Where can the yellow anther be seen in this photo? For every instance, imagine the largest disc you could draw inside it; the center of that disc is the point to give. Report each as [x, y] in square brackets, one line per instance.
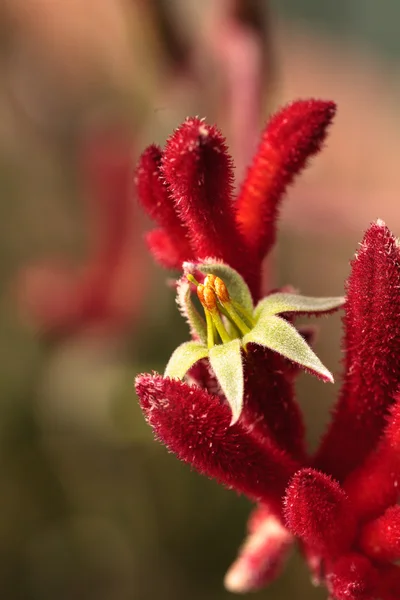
[200, 294]
[218, 286]
[210, 299]
[207, 297]
[221, 290]
[209, 281]
[216, 301]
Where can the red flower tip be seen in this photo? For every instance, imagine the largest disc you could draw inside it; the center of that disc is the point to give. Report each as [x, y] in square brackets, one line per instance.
[262, 556]
[317, 510]
[291, 136]
[170, 245]
[353, 578]
[166, 251]
[380, 539]
[195, 425]
[372, 343]
[151, 191]
[199, 172]
[375, 484]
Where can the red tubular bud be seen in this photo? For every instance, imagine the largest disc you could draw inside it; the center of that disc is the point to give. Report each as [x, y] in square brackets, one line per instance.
[353, 578]
[195, 425]
[292, 135]
[380, 539]
[318, 511]
[199, 172]
[372, 343]
[155, 197]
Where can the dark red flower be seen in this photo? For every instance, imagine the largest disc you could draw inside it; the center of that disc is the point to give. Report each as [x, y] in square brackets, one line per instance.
[188, 189]
[350, 528]
[291, 137]
[372, 345]
[341, 504]
[102, 293]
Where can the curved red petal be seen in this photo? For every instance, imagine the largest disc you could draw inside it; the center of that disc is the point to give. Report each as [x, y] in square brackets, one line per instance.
[380, 539]
[199, 172]
[165, 250]
[196, 426]
[291, 136]
[372, 343]
[155, 197]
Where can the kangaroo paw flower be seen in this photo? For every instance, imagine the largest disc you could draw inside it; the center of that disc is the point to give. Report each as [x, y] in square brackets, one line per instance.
[235, 418]
[232, 325]
[372, 345]
[187, 188]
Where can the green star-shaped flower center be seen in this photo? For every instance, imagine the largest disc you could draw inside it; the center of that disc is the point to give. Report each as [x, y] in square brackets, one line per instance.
[231, 323]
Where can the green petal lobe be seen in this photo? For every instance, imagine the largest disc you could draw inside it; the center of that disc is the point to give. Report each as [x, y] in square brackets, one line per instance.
[281, 303]
[279, 335]
[183, 358]
[188, 310]
[226, 362]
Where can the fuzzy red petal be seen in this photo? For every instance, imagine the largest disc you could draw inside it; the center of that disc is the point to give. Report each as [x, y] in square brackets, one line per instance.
[196, 426]
[199, 172]
[154, 195]
[291, 136]
[353, 578]
[318, 511]
[375, 485]
[262, 556]
[372, 343]
[165, 250]
[380, 539]
[270, 408]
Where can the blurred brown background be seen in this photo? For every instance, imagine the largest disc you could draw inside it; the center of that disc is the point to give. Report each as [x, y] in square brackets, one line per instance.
[90, 507]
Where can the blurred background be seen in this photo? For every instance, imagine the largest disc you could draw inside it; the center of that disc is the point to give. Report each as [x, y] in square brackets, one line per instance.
[91, 507]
